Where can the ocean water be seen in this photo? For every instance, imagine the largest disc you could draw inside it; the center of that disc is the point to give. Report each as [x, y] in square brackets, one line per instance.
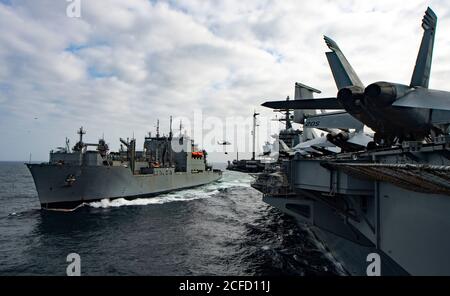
[222, 228]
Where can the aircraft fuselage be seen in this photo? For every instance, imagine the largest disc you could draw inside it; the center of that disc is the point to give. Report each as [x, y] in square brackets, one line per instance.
[374, 107]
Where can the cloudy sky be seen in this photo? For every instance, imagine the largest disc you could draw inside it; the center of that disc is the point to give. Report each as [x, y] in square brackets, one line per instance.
[123, 64]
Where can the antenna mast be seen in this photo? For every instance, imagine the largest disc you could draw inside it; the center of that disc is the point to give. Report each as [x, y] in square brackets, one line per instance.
[67, 145]
[170, 133]
[81, 132]
[288, 117]
[157, 128]
[254, 134]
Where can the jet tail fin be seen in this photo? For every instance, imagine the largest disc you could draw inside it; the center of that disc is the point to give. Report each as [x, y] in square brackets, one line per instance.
[304, 92]
[421, 75]
[343, 73]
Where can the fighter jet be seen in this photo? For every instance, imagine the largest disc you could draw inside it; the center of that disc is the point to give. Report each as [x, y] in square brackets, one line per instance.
[396, 112]
[343, 130]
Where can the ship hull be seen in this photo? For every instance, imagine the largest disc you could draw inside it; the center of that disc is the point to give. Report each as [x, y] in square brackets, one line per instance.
[354, 257]
[66, 187]
[411, 236]
[348, 247]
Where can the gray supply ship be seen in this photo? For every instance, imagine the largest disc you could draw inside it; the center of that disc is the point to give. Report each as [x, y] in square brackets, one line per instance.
[75, 176]
[390, 200]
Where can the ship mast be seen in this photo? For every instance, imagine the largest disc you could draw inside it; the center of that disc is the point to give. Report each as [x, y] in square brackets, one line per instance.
[170, 133]
[80, 145]
[157, 128]
[81, 132]
[254, 134]
[287, 116]
[170, 143]
[67, 145]
[181, 128]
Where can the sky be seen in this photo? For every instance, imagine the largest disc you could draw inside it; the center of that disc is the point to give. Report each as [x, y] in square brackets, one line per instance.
[122, 65]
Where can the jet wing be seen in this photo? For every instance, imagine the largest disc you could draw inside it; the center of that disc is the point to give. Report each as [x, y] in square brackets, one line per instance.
[425, 98]
[285, 147]
[326, 103]
[316, 145]
[320, 142]
[339, 120]
[334, 150]
[361, 139]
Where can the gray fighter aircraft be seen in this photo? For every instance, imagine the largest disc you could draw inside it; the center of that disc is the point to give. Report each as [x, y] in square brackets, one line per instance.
[396, 112]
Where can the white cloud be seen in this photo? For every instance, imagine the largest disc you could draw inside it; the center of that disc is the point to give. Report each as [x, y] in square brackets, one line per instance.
[126, 63]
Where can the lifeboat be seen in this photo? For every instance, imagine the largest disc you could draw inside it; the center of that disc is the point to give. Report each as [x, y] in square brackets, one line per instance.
[197, 154]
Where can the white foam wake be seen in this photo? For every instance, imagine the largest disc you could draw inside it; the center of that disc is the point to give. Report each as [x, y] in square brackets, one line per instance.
[233, 179]
[206, 191]
[185, 195]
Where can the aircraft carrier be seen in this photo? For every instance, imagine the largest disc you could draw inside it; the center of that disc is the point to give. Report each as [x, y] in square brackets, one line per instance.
[75, 176]
[385, 194]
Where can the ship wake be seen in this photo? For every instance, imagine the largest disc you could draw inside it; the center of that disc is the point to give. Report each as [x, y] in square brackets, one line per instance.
[202, 192]
[180, 196]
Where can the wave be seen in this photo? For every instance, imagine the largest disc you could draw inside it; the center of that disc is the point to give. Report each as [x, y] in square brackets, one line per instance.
[233, 179]
[339, 267]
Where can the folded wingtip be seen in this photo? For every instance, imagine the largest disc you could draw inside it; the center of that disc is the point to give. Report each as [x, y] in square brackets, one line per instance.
[429, 20]
[330, 43]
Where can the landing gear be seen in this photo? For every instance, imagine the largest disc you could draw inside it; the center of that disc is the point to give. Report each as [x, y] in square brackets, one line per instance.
[385, 141]
[371, 146]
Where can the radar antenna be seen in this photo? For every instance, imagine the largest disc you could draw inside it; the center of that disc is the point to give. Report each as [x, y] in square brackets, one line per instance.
[170, 133]
[80, 145]
[81, 132]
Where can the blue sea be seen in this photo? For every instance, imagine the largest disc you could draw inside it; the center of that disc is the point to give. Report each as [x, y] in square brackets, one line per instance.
[222, 228]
